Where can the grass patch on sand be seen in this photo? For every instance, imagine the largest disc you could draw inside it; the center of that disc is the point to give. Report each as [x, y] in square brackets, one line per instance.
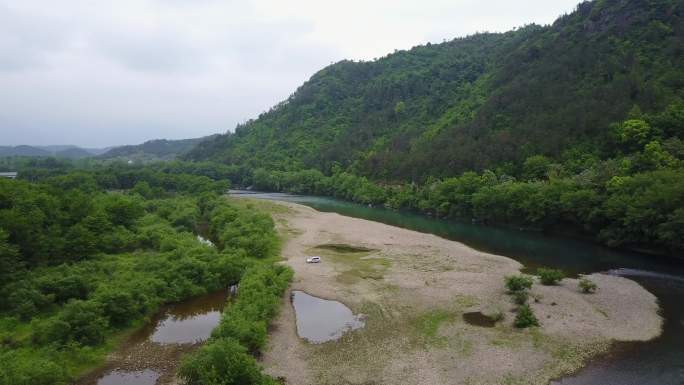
[366, 349]
[262, 205]
[353, 265]
[427, 325]
[389, 333]
[342, 248]
[426, 332]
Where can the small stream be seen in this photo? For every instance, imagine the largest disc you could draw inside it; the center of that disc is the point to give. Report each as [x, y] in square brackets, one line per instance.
[150, 356]
[656, 362]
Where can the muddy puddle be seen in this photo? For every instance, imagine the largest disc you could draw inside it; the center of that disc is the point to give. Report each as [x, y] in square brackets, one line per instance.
[476, 318]
[342, 248]
[151, 355]
[321, 320]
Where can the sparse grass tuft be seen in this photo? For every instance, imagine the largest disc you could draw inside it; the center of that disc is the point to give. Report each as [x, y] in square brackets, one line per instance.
[354, 266]
[587, 286]
[427, 325]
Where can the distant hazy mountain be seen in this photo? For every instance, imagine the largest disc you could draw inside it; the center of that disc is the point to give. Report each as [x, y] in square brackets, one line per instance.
[23, 151]
[59, 151]
[73, 153]
[98, 151]
[158, 149]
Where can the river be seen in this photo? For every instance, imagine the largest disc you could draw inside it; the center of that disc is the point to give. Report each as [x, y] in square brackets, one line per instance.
[656, 362]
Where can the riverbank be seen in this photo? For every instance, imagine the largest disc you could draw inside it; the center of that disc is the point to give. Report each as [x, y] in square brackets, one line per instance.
[414, 288]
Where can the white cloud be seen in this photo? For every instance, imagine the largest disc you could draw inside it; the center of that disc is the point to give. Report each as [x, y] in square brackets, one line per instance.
[99, 73]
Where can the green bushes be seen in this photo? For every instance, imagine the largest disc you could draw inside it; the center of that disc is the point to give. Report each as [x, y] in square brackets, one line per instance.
[57, 313]
[118, 305]
[237, 228]
[518, 283]
[550, 276]
[222, 362]
[226, 359]
[525, 317]
[518, 287]
[520, 297]
[587, 286]
[31, 367]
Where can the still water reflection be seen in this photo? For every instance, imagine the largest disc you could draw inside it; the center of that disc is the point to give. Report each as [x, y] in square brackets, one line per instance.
[320, 320]
[151, 355]
[118, 377]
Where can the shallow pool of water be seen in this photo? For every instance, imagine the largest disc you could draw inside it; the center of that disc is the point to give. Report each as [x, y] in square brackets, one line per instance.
[187, 322]
[320, 320]
[185, 330]
[120, 377]
[151, 355]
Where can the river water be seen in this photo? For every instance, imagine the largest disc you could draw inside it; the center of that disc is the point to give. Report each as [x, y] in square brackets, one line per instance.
[657, 362]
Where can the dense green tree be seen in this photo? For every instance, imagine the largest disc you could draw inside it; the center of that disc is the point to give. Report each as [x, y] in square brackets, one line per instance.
[113, 257]
[10, 262]
[223, 362]
[536, 167]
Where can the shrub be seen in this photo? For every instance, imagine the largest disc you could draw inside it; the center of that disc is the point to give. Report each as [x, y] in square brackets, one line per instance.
[250, 333]
[520, 297]
[587, 286]
[87, 324]
[227, 357]
[223, 362]
[518, 283]
[550, 276]
[525, 318]
[64, 287]
[117, 305]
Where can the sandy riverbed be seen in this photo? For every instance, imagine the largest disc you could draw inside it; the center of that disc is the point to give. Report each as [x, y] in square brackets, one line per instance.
[414, 288]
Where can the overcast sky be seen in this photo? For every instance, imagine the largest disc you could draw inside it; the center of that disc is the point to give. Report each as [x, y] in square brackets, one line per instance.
[101, 73]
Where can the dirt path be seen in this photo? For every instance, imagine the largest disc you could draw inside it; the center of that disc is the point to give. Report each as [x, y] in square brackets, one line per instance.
[414, 288]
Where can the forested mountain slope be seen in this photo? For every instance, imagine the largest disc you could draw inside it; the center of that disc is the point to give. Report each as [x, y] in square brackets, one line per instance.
[152, 150]
[474, 103]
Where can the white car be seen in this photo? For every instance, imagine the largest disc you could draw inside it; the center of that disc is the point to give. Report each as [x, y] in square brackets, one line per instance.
[313, 259]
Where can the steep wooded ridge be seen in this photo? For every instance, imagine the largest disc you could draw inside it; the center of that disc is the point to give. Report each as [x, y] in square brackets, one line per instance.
[474, 103]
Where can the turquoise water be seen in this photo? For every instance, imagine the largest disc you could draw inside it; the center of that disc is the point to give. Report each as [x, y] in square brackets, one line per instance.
[657, 362]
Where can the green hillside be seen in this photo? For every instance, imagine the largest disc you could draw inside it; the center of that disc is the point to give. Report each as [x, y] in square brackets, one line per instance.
[576, 127]
[153, 150]
[476, 102]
